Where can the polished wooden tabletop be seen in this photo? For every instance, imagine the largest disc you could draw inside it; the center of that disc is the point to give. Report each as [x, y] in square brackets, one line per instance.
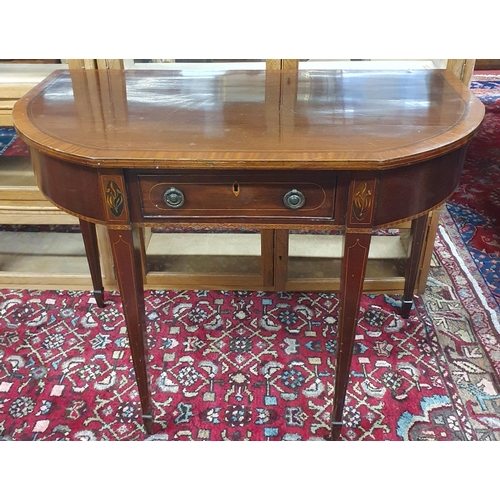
[330, 119]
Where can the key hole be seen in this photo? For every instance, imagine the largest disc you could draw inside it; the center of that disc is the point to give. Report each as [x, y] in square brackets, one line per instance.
[236, 189]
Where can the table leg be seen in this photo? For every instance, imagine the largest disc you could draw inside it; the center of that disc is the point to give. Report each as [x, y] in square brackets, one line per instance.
[91, 248]
[126, 248]
[418, 228]
[356, 247]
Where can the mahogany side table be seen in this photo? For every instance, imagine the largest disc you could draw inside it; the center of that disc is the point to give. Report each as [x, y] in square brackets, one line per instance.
[273, 151]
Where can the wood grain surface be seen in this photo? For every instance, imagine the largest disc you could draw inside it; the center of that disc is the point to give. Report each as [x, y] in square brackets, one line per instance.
[330, 118]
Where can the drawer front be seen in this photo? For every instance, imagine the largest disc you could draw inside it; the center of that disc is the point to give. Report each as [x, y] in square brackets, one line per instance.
[237, 195]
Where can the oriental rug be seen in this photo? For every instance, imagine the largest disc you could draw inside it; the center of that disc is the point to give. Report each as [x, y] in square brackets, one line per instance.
[255, 366]
[475, 206]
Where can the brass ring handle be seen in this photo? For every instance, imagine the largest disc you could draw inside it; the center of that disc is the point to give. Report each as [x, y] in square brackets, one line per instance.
[294, 199]
[173, 197]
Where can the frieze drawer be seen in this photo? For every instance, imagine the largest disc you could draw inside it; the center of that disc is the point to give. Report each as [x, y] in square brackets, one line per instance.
[238, 195]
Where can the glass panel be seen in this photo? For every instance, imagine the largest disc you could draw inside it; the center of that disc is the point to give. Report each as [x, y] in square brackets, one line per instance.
[373, 64]
[195, 64]
[45, 252]
[15, 171]
[318, 254]
[31, 61]
[204, 252]
[15, 72]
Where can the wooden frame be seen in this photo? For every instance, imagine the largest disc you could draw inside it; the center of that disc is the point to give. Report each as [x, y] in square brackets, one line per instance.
[22, 203]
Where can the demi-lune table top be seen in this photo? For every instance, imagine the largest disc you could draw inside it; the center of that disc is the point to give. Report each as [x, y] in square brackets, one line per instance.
[330, 119]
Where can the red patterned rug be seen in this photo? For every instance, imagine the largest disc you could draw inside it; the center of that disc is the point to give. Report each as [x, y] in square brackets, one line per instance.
[255, 366]
[475, 207]
[259, 366]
